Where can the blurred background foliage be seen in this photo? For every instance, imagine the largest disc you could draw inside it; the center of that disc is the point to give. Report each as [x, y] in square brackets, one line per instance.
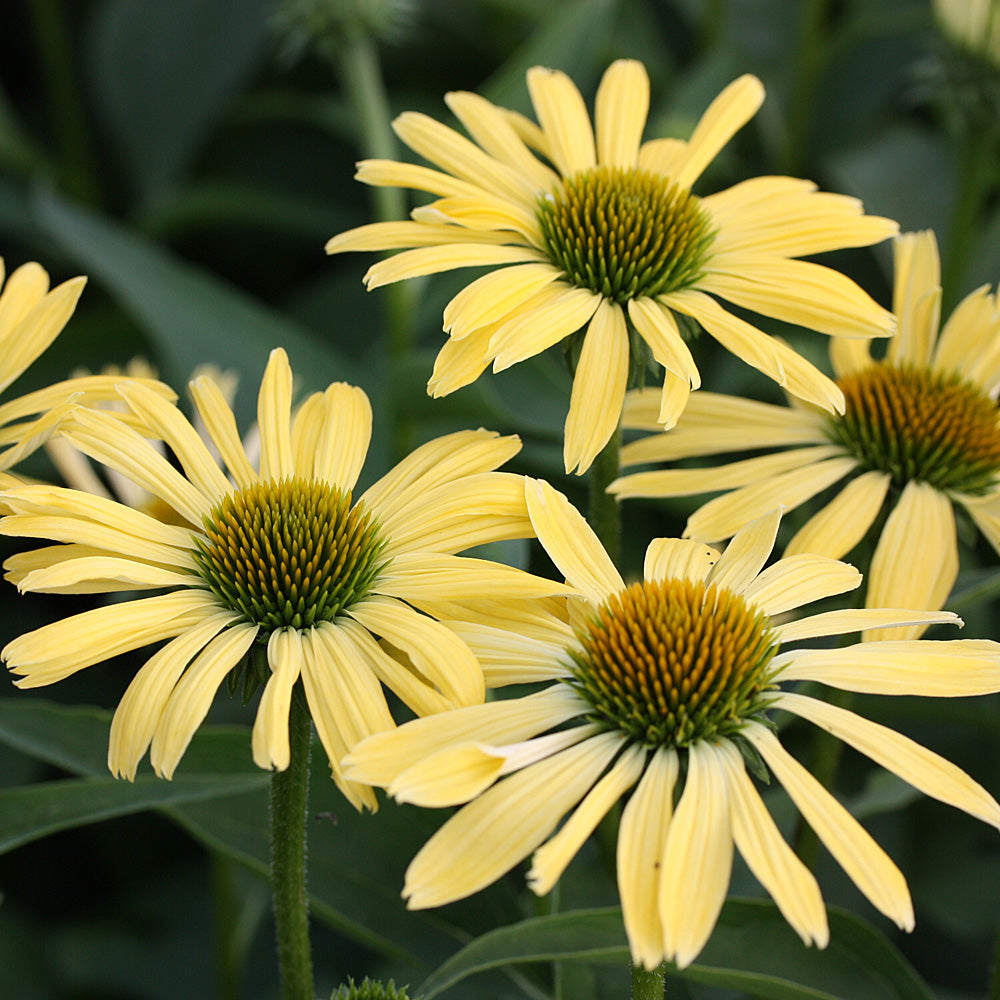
[192, 157]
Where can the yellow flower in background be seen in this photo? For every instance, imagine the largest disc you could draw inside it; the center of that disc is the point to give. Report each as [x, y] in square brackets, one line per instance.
[78, 472]
[31, 316]
[920, 432]
[279, 559]
[667, 685]
[604, 232]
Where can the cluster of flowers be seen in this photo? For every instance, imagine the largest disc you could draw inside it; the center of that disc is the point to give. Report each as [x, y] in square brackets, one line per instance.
[659, 691]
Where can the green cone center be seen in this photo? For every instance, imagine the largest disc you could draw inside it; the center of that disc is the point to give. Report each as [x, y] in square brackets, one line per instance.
[624, 233]
[289, 553]
[915, 423]
[671, 662]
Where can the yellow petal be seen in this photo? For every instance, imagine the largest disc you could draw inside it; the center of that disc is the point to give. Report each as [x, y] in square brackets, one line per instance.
[552, 858]
[905, 575]
[437, 653]
[343, 442]
[658, 328]
[448, 256]
[697, 857]
[855, 620]
[673, 558]
[620, 111]
[269, 739]
[460, 362]
[801, 579]
[564, 120]
[384, 756]
[772, 861]
[723, 118]
[138, 713]
[836, 528]
[220, 423]
[916, 298]
[865, 863]
[571, 543]
[274, 417]
[746, 554]
[936, 669]
[598, 388]
[192, 697]
[920, 767]
[641, 838]
[494, 296]
[505, 824]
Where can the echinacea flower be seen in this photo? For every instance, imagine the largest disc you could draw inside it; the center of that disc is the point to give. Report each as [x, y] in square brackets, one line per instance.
[675, 675]
[603, 232]
[80, 473]
[31, 316]
[280, 560]
[920, 432]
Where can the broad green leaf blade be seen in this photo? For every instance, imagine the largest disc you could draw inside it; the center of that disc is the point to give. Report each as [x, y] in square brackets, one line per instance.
[75, 738]
[752, 949]
[356, 861]
[29, 813]
[165, 73]
[193, 317]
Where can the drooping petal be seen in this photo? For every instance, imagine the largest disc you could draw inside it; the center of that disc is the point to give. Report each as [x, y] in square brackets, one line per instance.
[915, 764]
[772, 861]
[658, 328]
[138, 713]
[641, 839]
[494, 296]
[552, 858]
[437, 653]
[865, 863]
[505, 824]
[697, 857]
[269, 740]
[192, 696]
[382, 757]
[598, 388]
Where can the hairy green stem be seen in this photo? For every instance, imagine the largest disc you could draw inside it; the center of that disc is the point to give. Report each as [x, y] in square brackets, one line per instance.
[289, 797]
[648, 984]
[602, 513]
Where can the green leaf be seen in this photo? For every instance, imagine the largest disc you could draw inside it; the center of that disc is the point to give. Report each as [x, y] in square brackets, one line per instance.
[752, 949]
[164, 73]
[35, 811]
[192, 316]
[356, 861]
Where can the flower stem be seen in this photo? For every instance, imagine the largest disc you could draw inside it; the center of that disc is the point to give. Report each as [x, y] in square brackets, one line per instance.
[648, 984]
[602, 512]
[289, 796]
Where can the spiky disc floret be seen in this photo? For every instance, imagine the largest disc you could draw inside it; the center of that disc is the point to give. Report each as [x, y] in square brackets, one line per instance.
[919, 424]
[671, 662]
[624, 233]
[289, 553]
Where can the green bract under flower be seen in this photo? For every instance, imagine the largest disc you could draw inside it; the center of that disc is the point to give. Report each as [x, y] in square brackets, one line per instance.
[671, 662]
[289, 553]
[623, 233]
[920, 424]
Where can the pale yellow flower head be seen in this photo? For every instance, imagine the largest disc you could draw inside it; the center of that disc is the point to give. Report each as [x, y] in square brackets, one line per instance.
[920, 434]
[31, 316]
[667, 686]
[335, 595]
[586, 227]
